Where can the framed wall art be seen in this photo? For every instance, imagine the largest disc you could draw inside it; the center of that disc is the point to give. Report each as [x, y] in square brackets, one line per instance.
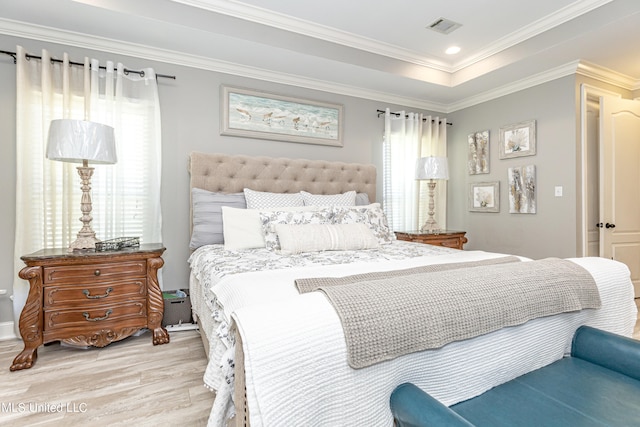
[484, 196]
[522, 189]
[518, 140]
[478, 152]
[254, 114]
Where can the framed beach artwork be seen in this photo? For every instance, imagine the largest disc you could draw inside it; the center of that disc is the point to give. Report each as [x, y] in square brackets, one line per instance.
[252, 114]
[522, 189]
[484, 196]
[518, 140]
[478, 152]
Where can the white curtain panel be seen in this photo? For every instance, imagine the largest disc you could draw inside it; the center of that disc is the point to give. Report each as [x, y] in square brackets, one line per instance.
[433, 143]
[407, 137]
[128, 204]
[125, 196]
[401, 149]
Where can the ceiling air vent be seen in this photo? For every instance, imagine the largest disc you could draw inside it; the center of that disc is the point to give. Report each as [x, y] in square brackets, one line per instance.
[444, 26]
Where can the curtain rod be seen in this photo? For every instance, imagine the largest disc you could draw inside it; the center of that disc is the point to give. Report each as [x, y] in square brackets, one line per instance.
[381, 112]
[126, 71]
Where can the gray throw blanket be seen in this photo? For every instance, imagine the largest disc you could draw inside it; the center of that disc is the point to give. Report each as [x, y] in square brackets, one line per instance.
[313, 284]
[399, 314]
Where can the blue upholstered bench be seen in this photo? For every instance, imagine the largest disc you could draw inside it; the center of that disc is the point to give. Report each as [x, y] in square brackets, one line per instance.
[599, 385]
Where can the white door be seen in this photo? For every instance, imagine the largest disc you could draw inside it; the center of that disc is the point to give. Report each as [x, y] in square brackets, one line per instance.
[592, 177]
[620, 184]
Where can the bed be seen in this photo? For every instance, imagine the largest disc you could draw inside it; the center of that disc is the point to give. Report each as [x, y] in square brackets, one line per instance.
[279, 355]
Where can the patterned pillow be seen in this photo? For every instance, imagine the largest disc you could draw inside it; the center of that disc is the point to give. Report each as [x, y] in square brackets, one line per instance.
[344, 199]
[270, 219]
[266, 200]
[371, 215]
[242, 227]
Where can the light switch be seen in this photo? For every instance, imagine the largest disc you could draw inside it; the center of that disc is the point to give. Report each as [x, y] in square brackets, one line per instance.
[558, 191]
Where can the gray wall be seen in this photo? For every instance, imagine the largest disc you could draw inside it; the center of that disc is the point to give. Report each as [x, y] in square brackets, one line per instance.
[190, 122]
[190, 115]
[549, 232]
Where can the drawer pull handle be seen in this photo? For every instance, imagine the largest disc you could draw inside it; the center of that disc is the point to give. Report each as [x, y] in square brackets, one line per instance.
[106, 294]
[96, 273]
[97, 319]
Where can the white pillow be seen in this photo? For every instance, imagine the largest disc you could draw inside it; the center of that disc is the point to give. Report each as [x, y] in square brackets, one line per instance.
[270, 219]
[266, 200]
[295, 239]
[371, 215]
[242, 228]
[344, 199]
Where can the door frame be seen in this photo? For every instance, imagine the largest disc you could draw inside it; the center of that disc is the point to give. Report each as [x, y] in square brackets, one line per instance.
[587, 93]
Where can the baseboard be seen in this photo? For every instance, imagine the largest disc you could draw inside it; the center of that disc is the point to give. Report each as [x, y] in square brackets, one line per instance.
[182, 327]
[6, 331]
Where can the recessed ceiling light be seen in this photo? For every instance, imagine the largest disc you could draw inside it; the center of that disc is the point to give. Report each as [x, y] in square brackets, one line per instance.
[452, 50]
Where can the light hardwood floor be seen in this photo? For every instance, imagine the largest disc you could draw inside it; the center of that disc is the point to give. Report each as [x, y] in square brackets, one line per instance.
[131, 382]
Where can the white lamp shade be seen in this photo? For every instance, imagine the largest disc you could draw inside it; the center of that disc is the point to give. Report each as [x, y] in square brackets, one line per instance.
[78, 140]
[432, 168]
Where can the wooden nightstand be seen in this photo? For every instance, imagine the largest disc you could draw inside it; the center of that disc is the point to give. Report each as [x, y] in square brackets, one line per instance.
[448, 238]
[89, 298]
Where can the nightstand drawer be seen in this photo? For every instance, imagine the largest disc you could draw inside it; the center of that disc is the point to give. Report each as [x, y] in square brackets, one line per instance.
[68, 296]
[449, 243]
[94, 316]
[446, 238]
[93, 272]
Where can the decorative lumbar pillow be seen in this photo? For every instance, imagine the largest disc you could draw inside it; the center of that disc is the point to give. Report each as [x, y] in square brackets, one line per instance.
[207, 215]
[295, 238]
[270, 219]
[344, 199]
[266, 200]
[371, 215]
[243, 229]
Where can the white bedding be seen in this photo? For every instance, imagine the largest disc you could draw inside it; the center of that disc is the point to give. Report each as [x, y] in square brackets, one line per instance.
[295, 355]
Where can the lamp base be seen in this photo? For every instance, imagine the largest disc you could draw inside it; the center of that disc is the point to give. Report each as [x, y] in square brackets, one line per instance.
[83, 242]
[86, 236]
[430, 227]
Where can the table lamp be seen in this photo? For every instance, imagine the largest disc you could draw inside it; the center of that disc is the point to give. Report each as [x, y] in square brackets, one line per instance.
[81, 141]
[431, 168]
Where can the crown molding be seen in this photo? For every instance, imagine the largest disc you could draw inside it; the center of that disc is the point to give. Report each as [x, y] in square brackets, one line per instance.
[315, 30]
[607, 75]
[517, 86]
[86, 41]
[580, 67]
[538, 27]
[47, 34]
[311, 29]
[51, 35]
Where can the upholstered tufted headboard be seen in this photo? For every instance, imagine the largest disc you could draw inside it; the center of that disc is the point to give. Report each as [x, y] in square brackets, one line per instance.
[231, 174]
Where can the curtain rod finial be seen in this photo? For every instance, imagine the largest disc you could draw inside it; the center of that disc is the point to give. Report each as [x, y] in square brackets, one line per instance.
[11, 54]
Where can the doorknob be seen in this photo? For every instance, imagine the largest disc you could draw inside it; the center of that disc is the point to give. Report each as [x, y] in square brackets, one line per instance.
[610, 225]
[599, 225]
